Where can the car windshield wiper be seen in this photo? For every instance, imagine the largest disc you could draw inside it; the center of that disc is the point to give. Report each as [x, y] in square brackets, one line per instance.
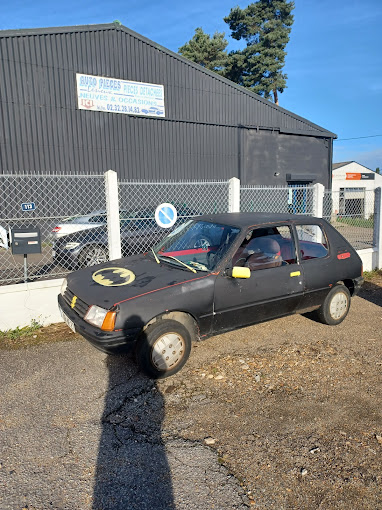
[155, 255]
[177, 260]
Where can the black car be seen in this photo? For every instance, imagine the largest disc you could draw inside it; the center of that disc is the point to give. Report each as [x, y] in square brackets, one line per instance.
[89, 247]
[210, 275]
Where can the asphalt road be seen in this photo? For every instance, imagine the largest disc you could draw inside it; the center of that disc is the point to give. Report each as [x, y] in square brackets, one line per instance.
[80, 430]
[291, 410]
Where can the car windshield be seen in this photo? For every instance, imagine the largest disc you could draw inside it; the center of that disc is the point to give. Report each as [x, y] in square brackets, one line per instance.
[198, 244]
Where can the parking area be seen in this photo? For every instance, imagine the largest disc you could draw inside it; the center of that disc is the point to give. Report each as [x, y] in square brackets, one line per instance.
[282, 415]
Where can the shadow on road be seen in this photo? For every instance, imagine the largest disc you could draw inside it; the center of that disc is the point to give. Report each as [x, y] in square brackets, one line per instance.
[372, 293]
[132, 471]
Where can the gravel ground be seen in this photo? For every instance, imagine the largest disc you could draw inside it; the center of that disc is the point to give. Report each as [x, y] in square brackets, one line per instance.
[281, 415]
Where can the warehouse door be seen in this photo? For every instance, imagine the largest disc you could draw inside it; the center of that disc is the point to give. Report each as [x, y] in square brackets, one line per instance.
[298, 197]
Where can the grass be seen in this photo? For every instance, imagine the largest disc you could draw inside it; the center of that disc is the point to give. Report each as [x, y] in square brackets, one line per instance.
[357, 222]
[18, 332]
[371, 275]
[35, 334]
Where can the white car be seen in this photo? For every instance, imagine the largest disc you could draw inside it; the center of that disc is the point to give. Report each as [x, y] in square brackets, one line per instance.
[86, 221]
[3, 238]
[77, 223]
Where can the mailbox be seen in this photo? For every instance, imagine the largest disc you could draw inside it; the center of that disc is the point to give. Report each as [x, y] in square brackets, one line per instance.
[26, 241]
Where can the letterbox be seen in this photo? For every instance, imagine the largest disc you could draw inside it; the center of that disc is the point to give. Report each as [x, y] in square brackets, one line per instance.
[26, 241]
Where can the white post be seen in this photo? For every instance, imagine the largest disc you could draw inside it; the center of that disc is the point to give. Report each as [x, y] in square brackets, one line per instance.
[234, 195]
[112, 211]
[318, 200]
[377, 235]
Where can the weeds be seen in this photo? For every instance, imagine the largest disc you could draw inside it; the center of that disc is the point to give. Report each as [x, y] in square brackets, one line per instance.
[369, 275]
[18, 332]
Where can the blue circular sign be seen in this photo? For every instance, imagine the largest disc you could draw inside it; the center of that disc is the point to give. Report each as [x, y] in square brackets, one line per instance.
[166, 215]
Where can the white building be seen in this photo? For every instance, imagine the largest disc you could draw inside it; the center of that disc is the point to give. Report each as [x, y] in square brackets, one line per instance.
[353, 188]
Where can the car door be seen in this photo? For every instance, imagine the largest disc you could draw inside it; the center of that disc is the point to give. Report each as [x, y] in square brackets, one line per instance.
[316, 262]
[275, 286]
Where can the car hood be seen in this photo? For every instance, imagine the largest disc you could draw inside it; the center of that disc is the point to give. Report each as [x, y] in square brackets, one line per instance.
[115, 281]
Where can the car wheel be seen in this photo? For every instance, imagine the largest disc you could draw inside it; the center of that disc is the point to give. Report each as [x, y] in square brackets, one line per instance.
[163, 348]
[92, 255]
[202, 242]
[335, 307]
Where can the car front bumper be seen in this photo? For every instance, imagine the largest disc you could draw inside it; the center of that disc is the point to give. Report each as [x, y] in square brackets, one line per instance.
[112, 342]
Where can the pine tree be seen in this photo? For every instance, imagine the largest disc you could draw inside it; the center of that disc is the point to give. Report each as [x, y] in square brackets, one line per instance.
[265, 26]
[206, 51]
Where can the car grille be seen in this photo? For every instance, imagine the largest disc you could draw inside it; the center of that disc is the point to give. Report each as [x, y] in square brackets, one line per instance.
[80, 307]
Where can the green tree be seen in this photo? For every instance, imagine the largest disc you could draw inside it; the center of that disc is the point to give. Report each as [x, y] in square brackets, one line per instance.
[377, 170]
[206, 51]
[265, 26]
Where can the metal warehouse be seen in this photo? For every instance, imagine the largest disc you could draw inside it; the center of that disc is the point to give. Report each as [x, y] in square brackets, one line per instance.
[83, 99]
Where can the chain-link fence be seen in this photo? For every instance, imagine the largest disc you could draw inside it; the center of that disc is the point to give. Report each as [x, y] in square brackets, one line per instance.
[61, 207]
[138, 202]
[351, 212]
[293, 200]
[70, 212]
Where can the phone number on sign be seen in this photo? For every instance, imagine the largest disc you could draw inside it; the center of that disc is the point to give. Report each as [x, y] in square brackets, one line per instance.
[122, 108]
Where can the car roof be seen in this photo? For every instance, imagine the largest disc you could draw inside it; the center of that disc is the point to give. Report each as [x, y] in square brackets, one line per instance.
[250, 219]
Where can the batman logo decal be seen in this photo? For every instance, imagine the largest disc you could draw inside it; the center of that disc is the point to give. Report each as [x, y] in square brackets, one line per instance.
[113, 276]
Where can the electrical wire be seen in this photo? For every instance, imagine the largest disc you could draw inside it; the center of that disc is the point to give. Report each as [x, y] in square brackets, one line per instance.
[356, 138]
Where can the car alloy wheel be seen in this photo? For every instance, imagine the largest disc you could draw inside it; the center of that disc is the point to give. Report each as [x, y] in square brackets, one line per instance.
[93, 255]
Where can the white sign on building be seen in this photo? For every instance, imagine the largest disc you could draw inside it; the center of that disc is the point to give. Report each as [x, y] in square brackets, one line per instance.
[119, 96]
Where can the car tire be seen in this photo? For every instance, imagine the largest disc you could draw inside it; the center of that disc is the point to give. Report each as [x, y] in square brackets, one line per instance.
[203, 242]
[163, 348]
[92, 255]
[335, 307]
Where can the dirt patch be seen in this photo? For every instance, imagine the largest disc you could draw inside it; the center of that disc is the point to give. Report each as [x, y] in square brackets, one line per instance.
[49, 334]
[292, 408]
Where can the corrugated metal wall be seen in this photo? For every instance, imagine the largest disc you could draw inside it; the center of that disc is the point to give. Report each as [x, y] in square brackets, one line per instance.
[41, 129]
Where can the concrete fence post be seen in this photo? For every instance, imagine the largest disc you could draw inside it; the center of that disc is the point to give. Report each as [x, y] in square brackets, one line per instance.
[318, 200]
[234, 195]
[112, 211]
[377, 234]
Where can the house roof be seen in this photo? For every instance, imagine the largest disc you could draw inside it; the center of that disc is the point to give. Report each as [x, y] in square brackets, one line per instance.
[314, 130]
[338, 165]
[344, 163]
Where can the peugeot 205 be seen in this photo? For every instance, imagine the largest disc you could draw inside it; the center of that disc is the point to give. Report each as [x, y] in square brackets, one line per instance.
[210, 275]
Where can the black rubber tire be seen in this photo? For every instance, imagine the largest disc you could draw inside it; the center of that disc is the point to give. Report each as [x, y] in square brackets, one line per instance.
[326, 314]
[83, 257]
[149, 338]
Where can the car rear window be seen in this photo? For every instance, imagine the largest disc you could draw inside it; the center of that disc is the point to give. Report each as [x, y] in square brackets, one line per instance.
[313, 243]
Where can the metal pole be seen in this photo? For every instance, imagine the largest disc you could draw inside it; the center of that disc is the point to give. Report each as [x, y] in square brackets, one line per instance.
[25, 268]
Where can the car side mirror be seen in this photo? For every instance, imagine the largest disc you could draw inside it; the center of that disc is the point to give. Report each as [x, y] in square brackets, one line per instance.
[239, 272]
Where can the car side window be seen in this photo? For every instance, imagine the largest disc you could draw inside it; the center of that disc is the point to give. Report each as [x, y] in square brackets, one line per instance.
[264, 248]
[312, 240]
[98, 219]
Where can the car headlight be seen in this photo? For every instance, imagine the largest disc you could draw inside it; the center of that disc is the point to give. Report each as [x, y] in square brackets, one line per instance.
[101, 318]
[71, 246]
[64, 286]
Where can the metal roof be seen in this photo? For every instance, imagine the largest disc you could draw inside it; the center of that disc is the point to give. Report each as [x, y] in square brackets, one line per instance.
[300, 125]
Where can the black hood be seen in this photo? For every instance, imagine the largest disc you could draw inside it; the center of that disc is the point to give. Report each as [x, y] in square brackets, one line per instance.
[123, 279]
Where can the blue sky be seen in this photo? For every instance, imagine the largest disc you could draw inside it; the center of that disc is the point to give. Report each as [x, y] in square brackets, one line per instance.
[334, 61]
